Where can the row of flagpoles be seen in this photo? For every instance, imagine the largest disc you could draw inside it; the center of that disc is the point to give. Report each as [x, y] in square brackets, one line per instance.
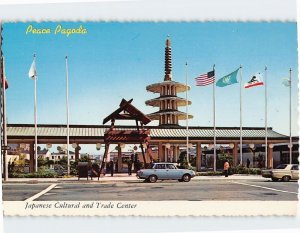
[202, 80]
[33, 75]
[230, 79]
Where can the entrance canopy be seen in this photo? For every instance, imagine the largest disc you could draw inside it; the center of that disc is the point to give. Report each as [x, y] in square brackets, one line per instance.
[130, 113]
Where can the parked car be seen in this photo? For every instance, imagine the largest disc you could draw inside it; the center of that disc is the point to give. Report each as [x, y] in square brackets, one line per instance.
[284, 172]
[165, 171]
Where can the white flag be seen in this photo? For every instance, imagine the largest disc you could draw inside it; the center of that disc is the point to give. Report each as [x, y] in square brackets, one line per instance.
[286, 82]
[32, 72]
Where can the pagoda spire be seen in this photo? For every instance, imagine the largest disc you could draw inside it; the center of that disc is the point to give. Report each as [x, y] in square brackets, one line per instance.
[168, 61]
[168, 102]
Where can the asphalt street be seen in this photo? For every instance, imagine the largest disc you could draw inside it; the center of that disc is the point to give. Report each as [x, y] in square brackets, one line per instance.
[196, 190]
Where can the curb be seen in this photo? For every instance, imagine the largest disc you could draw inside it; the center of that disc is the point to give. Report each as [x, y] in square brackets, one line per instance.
[124, 180]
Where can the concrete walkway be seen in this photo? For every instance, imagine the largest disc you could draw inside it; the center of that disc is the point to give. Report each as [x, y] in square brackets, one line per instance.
[124, 178]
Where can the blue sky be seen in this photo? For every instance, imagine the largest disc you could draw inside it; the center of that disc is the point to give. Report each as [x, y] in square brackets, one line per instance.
[117, 60]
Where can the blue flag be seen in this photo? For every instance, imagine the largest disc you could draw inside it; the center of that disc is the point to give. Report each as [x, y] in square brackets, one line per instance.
[228, 79]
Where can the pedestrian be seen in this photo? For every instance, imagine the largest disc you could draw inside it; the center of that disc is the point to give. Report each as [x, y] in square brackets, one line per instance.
[138, 165]
[248, 163]
[132, 157]
[129, 164]
[226, 168]
[111, 166]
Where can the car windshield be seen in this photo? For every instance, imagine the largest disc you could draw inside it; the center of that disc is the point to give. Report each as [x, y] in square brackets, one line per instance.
[281, 166]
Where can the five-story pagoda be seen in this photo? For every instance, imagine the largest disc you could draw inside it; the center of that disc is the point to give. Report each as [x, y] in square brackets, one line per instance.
[168, 101]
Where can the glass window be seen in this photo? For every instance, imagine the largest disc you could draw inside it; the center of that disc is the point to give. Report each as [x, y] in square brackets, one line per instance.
[160, 166]
[171, 166]
[295, 167]
[281, 166]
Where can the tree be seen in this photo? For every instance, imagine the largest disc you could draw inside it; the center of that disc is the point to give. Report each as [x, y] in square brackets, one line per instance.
[63, 161]
[42, 162]
[183, 160]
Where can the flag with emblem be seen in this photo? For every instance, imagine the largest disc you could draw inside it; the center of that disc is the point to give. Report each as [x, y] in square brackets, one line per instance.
[228, 79]
[255, 81]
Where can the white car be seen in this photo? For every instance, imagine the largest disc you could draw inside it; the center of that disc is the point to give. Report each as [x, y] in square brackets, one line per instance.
[165, 171]
[284, 172]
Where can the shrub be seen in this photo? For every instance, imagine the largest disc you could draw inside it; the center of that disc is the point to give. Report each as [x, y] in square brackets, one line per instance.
[42, 173]
[210, 173]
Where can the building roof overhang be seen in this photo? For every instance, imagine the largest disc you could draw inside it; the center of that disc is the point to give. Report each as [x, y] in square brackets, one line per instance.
[180, 87]
[90, 134]
[156, 102]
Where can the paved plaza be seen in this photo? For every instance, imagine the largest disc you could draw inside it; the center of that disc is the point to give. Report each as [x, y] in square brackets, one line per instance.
[201, 188]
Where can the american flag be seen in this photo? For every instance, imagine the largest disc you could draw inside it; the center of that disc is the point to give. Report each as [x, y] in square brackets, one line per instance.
[205, 79]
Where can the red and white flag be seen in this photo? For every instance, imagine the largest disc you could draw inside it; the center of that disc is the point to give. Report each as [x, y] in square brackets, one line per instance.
[205, 79]
[255, 81]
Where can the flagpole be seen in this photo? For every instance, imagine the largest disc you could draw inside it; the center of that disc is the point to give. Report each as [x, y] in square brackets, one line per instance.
[291, 145]
[266, 119]
[67, 107]
[214, 119]
[5, 164]
[35, 120]
[241, 123]
[187, 115]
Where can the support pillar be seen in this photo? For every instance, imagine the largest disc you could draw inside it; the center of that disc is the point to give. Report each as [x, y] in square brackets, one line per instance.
[166, 151]
[175, 153]
[119, 165]
[235, 154]
[31, 157]
[198, 156]
[160, 152]
[174, 148]
[77, 149]
[270, 157]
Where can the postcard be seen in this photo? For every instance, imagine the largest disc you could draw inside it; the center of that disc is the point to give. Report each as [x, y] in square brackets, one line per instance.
[144, 118]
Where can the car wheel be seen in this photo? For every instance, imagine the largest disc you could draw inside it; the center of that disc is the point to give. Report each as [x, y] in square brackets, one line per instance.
[274, 179]
[186, 178]
[152, 178]
[286, 178]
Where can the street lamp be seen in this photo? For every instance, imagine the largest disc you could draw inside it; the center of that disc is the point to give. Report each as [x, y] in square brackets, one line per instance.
[271, 146]
[98, 146]
[251, 145]
[231, 145]
[48, 145]
[168, 145]
[74, 145]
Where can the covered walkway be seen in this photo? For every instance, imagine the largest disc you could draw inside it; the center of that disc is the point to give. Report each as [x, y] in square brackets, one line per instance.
[166, 140]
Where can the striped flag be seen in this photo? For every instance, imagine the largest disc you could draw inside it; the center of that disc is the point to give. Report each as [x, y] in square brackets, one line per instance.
[205, 79]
